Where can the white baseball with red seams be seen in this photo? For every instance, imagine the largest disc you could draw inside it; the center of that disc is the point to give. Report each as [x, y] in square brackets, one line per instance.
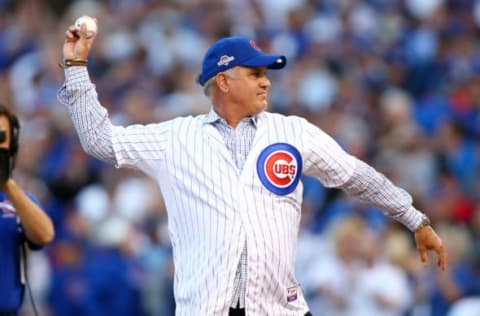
[89, 22]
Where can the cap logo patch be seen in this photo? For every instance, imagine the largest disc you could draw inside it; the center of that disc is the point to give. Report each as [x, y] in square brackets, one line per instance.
[279, 168]
[225, 60]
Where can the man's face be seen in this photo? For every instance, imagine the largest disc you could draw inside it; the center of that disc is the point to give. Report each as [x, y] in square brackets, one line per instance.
[5, 126]
[249, 89]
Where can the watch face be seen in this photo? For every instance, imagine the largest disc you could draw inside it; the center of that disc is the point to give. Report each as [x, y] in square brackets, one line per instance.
[425, 221]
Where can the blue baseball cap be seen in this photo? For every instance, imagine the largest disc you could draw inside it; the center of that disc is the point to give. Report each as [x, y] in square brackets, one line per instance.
[236, 51]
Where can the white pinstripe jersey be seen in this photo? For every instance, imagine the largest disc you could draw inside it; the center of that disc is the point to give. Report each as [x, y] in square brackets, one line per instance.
[213, 207]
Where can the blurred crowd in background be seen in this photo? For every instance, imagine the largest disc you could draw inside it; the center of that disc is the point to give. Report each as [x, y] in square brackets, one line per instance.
[395, 82]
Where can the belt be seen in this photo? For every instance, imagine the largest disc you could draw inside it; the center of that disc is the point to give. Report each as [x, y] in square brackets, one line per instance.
[8, 313]
[241, 312]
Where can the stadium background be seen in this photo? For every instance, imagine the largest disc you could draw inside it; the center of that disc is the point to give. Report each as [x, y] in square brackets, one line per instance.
[397, 83]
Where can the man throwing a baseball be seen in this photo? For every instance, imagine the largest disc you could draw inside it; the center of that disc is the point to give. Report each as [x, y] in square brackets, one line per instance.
[231, 180]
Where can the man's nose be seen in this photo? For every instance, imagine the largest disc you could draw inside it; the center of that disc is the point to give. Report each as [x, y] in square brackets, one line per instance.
[265, 82]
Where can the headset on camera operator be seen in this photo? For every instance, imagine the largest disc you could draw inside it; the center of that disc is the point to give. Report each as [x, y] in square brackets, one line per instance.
[22, 221]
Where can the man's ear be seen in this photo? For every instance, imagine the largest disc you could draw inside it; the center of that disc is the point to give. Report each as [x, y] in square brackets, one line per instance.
[222, 82]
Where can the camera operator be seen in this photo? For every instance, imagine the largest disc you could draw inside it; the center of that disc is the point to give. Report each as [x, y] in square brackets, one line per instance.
[22, 222]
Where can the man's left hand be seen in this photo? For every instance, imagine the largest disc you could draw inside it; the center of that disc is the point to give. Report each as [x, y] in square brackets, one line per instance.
[427, 239]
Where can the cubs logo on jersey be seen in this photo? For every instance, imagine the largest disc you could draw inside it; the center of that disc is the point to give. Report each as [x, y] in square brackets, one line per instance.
[279, 168]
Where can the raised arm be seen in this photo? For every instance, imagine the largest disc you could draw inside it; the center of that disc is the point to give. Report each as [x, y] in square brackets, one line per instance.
[78, 93]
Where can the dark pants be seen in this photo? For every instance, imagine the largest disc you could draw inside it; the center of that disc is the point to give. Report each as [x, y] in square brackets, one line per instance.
[241, 312]
[8, 314]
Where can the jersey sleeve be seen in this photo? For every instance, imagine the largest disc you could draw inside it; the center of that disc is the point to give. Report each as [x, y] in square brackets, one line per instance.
[334, 167]
[140, 144]
[324, 159]
[117, 145]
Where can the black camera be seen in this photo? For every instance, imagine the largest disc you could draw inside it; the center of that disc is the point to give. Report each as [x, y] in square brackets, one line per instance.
[3, 135]
[5, 159]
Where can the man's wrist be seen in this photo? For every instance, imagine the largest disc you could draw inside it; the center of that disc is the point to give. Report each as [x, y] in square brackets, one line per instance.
[71, 62]
[425, 222]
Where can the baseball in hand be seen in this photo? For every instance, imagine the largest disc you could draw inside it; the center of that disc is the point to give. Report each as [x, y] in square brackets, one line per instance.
[90, 24]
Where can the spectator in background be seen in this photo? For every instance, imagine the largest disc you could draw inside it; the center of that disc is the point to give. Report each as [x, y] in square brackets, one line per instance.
[333, 274]
[465, 307]
[382, 287]
[459, 279]
[23, 223]
[113, 272]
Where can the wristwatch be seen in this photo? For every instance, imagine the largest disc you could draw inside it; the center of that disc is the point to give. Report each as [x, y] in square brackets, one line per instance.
[425, 222]
[73, 62]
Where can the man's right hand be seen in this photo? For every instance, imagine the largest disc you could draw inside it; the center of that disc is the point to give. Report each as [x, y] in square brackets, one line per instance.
[77, 45]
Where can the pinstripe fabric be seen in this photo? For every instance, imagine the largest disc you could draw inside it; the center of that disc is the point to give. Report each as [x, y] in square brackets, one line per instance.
[238, 141]
[214, 207]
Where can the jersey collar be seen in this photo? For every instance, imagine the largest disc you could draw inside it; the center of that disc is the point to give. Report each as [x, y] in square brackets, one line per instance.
[213, 117]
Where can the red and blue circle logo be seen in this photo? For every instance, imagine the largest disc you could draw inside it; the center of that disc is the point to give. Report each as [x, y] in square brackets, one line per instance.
[279, 168]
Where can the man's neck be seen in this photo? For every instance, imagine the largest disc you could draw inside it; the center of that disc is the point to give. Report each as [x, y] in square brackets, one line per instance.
[232, 117]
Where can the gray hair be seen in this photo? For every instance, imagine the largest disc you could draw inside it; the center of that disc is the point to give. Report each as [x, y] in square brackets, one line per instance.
[206, 87]
[210, 82]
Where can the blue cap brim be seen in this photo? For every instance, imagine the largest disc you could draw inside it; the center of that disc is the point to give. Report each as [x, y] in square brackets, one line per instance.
[264, 60]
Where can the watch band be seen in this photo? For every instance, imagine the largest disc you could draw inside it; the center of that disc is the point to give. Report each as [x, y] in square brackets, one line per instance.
[425, 222]
[73, 62]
